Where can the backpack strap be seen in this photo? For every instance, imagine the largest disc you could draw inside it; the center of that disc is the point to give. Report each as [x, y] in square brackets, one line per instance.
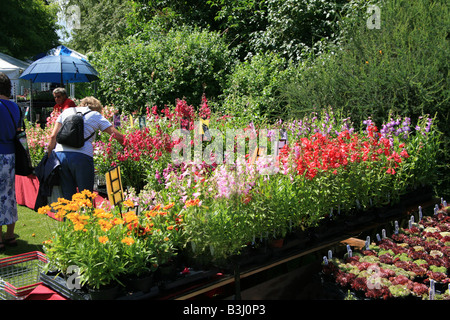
[83, 114]
[86, 139]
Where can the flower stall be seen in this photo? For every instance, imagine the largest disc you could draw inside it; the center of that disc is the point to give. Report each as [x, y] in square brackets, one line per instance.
[211, 210]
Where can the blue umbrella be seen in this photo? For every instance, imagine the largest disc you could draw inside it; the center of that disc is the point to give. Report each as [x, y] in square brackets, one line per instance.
[60, 69]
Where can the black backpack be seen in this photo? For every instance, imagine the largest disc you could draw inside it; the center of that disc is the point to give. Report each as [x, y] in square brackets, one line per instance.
[72, 131]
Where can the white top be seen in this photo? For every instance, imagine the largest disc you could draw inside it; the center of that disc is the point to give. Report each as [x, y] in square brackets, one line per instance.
[93, 121]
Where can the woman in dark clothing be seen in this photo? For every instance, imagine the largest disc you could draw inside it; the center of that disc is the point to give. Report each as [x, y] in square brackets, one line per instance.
[8, 203]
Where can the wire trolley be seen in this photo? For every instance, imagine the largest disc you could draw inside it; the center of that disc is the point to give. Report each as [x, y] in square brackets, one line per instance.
[20, 274]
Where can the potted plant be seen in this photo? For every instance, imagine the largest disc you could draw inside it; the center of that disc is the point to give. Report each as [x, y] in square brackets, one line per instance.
[95, 240]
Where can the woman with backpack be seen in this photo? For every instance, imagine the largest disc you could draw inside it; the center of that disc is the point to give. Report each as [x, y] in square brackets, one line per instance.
[77, 163]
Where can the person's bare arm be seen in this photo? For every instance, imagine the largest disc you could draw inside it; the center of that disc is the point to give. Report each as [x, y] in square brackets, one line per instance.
[115, 133]
[52, 143]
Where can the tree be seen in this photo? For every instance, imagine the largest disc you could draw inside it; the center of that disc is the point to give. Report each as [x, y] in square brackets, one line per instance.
[101, 22]
[28, 28]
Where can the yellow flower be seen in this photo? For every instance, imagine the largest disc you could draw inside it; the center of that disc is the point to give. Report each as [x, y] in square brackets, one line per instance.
[63, 200]
[156, 208]
[84, 203]
[87, 193]
[191, 203]
[60, 214]
[82, 198]
[44, 209]
[103, 239]
[72, 206]
[130, 216]
[72, 216]
[79, 221]
[128, 203]
[84, 217]
[56, 205]
[78, 226]
[150, 214]
[170, 205]
[105, 225]
[101, 213]
[128, 241]
[117, 221]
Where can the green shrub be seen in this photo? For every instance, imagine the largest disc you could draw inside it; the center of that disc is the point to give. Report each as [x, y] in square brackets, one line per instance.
[402, 67]
[159, 68]
[253, 88]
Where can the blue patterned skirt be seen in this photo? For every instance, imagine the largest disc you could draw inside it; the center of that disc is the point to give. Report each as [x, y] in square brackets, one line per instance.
[8, 203]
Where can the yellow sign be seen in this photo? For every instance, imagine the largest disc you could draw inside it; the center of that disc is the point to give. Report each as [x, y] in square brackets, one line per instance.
[114, 186]
[204, 125]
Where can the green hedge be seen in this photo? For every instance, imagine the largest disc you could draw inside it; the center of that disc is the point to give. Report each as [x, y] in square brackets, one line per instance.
[253, 88]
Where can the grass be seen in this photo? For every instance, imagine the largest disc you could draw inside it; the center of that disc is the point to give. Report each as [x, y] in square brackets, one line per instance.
[31, 230]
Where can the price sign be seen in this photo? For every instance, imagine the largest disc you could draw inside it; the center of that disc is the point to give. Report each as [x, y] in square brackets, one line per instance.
[114, 186]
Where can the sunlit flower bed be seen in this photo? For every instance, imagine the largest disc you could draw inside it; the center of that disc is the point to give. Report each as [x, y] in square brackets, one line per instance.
[413, 263]
[328, 169]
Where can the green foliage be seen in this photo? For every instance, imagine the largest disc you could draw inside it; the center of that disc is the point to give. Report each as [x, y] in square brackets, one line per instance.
[239, 19]
[296, 28]
[253, 88]
[402, 67]
[159, 68]
[100, 22]
[28, 28]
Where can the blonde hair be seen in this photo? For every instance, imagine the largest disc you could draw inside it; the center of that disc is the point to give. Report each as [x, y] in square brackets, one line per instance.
[60, 90]
[92, 103]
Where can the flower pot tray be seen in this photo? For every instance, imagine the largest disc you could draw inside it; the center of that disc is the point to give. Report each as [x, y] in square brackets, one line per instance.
[59, 284]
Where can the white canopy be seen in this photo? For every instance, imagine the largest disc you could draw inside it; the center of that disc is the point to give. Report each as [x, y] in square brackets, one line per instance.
[12, 67]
